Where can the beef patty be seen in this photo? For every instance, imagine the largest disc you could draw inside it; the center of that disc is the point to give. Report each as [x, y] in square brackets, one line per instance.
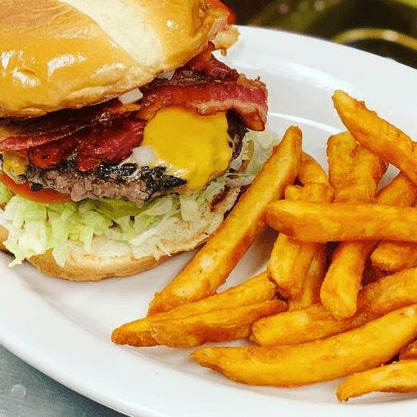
[136, 183]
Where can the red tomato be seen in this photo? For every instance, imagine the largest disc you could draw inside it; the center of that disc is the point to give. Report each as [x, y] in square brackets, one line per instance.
[41, 196]
[232, 17]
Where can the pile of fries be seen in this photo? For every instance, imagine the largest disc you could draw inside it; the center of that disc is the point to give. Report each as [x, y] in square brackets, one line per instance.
[338, 297]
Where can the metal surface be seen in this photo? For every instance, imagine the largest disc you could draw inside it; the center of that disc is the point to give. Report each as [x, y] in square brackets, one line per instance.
[26, 392]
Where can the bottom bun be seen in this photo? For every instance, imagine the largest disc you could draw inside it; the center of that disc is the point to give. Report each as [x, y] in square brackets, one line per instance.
[115, 259]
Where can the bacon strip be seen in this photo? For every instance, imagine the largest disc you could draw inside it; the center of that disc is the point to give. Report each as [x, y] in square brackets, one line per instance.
[110, 143]
[27, 133]
[208, 86]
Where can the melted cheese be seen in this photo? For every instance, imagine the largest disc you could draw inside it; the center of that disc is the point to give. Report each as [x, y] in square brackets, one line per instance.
[14, 164]
[195, 147]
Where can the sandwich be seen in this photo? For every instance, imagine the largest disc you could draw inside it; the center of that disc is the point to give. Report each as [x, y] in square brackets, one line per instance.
[123, 136]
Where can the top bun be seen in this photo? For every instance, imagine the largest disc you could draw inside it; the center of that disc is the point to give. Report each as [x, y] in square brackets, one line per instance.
[71, 53]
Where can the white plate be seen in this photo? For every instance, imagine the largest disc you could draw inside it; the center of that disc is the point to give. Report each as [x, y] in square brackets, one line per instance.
[63, 328]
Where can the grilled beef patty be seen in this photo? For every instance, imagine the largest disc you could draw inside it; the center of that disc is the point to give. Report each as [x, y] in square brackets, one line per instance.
[136, 183]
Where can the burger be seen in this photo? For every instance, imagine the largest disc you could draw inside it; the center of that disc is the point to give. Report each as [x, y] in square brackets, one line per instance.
[123, 137]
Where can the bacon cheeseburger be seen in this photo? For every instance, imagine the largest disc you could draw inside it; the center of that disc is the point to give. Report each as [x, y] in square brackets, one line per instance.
[118, 130]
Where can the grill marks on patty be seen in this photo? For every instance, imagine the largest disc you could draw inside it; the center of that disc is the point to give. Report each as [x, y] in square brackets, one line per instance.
[128, 180]
[138, 184]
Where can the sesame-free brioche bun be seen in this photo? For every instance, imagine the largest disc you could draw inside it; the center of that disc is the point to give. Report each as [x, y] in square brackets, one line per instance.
[72, 53]
[112, 259]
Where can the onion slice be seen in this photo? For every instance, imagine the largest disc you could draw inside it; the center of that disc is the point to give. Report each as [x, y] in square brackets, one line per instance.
[144, 155]
[131, 96]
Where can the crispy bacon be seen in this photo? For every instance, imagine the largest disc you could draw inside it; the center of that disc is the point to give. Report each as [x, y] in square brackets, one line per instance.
[208, 86]
[206, 63]
[28, 132]
[110, 142]
[108, 132]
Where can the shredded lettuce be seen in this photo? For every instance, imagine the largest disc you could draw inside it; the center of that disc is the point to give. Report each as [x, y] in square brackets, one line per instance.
[34, 228]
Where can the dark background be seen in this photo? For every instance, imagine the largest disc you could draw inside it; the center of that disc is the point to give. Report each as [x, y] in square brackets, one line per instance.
[339, 21]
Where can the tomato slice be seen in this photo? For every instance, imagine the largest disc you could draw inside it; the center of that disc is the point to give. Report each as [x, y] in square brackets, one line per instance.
[232, 17]
[41, 196]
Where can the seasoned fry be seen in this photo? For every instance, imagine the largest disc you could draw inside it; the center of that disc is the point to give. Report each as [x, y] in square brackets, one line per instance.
[213, 263]
[315, 322]
[310, 292]
[316, 222]
[409, 351]
[214, 326]
[363, 348]
[289, 263]
[361, 182]
[290, 260]
[382, 138]
[399, 377]
[340, 153]
[252, 291]
[311, 171]
[310, 192]
[401, 192]
[341, 284]
[395, 256]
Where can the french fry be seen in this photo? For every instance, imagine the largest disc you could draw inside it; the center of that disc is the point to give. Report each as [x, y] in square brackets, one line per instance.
[395, 256]
[361, 182]
[311, 171]
[214, 326]
[398, 376]
[252, 291]
[359, 349]
[317, 222]
[290, 260]
[401, 192]
[409, 351]
[315, 322]
[340, 153]
[341, 284]
[310, 291]
[289, 264]
[310, 192]
[211, 266]
[382, 138]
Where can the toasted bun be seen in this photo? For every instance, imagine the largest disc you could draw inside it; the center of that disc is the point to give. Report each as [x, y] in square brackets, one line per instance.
[71, 53]
[117, 260]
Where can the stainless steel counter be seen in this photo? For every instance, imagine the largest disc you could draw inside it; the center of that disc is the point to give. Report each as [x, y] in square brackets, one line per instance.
[26, 392]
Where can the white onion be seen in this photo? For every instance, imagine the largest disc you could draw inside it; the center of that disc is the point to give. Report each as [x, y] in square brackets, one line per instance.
[144, 155]
[168, 75]
[131, 96]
